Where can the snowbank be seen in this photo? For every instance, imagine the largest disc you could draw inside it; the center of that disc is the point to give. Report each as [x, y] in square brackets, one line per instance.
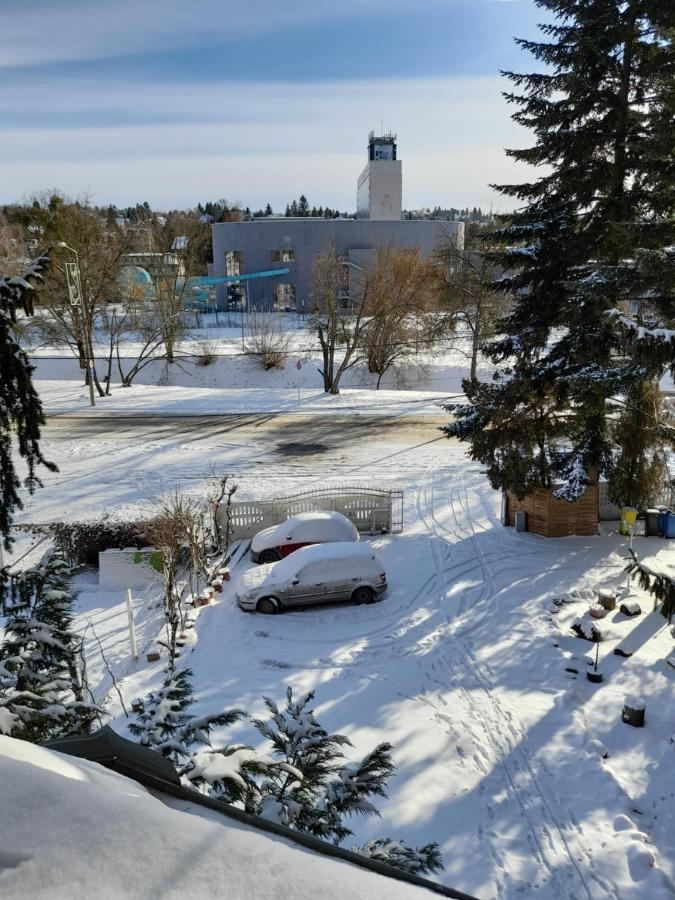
[69, 397]
[70, 828]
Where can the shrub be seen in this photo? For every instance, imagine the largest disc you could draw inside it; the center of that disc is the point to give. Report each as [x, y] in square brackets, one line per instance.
[266, 341]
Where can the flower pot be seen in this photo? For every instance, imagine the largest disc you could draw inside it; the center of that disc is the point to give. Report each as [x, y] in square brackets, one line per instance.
[607, 599]
[597, 611]
[595, 677]
[136, 705]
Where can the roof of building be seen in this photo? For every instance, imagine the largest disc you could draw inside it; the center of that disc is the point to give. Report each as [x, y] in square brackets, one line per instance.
[75, 797]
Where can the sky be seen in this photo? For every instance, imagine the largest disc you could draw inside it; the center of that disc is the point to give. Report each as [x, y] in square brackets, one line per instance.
[181, 101]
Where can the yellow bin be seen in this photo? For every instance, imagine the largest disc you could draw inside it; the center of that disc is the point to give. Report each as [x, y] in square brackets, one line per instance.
[628, 519]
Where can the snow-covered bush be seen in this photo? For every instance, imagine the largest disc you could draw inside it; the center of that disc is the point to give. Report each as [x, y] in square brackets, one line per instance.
[416, 860]
[43, 691]
[165, 724]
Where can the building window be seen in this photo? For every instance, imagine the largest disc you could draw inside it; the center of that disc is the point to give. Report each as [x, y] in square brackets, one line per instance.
[284, 297]
[234, 262]
[283, 256]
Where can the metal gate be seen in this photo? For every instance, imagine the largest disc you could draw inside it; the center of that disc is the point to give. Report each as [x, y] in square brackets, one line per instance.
[372, 510]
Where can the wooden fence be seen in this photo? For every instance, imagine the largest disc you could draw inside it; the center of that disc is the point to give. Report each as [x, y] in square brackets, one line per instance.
[551, 517]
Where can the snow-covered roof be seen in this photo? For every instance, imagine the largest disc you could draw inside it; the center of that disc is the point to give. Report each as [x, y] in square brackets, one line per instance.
[71, 828]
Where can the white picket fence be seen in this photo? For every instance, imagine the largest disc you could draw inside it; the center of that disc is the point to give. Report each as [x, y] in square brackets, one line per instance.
[608, 511]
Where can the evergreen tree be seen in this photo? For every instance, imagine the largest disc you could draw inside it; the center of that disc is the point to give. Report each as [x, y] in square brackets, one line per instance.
[165, 723]
[43, 693]
[21, 416]
[303, 206]
[309, 787]
[415, 860]
[596, 232]
[641, 464]
[268, 210]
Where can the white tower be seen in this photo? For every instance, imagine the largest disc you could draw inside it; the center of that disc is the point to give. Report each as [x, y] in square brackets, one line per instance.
[380, 186]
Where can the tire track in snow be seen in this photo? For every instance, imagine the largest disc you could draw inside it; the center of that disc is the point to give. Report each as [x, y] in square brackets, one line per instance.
[546, 831]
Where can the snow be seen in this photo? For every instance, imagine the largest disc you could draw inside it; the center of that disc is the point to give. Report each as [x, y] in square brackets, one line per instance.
[503, 756]
[323, 525]
[457, 668]
[77, 830]
[63, 397]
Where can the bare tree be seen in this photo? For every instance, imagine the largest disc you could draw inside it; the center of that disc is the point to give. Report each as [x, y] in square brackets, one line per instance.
[220, 498]
[337, 318]
[402, 311]
[167, 532]
[100, 249]
[466, 281]
[177, 244]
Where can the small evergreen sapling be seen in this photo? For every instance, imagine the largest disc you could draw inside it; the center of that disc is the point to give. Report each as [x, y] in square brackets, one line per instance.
[43, 691]
[309, 787]
[165, 724]
[415, 860]
[660, 586]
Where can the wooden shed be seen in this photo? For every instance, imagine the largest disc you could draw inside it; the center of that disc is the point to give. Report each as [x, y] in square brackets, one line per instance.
[550, 517]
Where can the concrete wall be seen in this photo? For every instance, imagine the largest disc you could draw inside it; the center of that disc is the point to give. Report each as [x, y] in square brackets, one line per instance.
[307, 237]
[379, 192]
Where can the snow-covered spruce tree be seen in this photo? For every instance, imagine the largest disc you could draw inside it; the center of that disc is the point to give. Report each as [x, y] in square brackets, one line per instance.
[43, 690]
[416, 860]
[21, 414]
[308, 786]
[165, 723]
[588, 252]
[641, 437]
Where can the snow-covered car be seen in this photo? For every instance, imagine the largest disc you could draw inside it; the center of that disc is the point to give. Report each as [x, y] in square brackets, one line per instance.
[320, 527]
[318, 574]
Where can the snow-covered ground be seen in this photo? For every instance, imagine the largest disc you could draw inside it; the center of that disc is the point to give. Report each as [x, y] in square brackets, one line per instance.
[464, 665]
[71, 830]
[462, 668]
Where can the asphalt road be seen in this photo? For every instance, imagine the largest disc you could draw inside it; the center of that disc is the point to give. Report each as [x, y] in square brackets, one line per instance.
[295, 432]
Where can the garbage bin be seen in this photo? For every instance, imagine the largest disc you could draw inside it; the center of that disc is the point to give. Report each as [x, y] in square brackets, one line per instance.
[670, 525]
[628, 519]
[652, 522]
[663, 519]
[521, 521]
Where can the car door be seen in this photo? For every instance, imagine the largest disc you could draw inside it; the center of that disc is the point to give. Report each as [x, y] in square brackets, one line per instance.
[308, 586]
[341, 579]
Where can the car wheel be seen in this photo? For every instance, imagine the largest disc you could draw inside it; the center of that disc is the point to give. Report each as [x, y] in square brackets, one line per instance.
[268, 605]
[269, 556]
[363, 595]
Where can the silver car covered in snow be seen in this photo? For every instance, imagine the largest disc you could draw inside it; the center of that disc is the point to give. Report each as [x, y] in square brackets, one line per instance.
[321, 573]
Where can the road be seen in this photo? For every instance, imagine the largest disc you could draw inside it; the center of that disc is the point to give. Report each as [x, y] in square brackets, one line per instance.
[331, 431]
[120, 463]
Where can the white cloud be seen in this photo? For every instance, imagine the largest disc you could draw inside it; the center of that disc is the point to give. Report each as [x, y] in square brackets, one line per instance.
[258, 142]
[43, 31]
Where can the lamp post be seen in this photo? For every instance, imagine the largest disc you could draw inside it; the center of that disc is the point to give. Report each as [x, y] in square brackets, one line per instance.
[75, 298]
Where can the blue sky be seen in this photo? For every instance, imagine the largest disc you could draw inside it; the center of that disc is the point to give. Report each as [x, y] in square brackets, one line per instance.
[178, 101]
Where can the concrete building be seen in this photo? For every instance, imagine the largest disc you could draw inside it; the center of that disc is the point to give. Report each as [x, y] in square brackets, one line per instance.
[379, 192]
[275, 244]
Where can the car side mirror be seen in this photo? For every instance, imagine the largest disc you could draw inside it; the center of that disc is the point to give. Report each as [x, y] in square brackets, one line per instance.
[295, 581]
[289, 537]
